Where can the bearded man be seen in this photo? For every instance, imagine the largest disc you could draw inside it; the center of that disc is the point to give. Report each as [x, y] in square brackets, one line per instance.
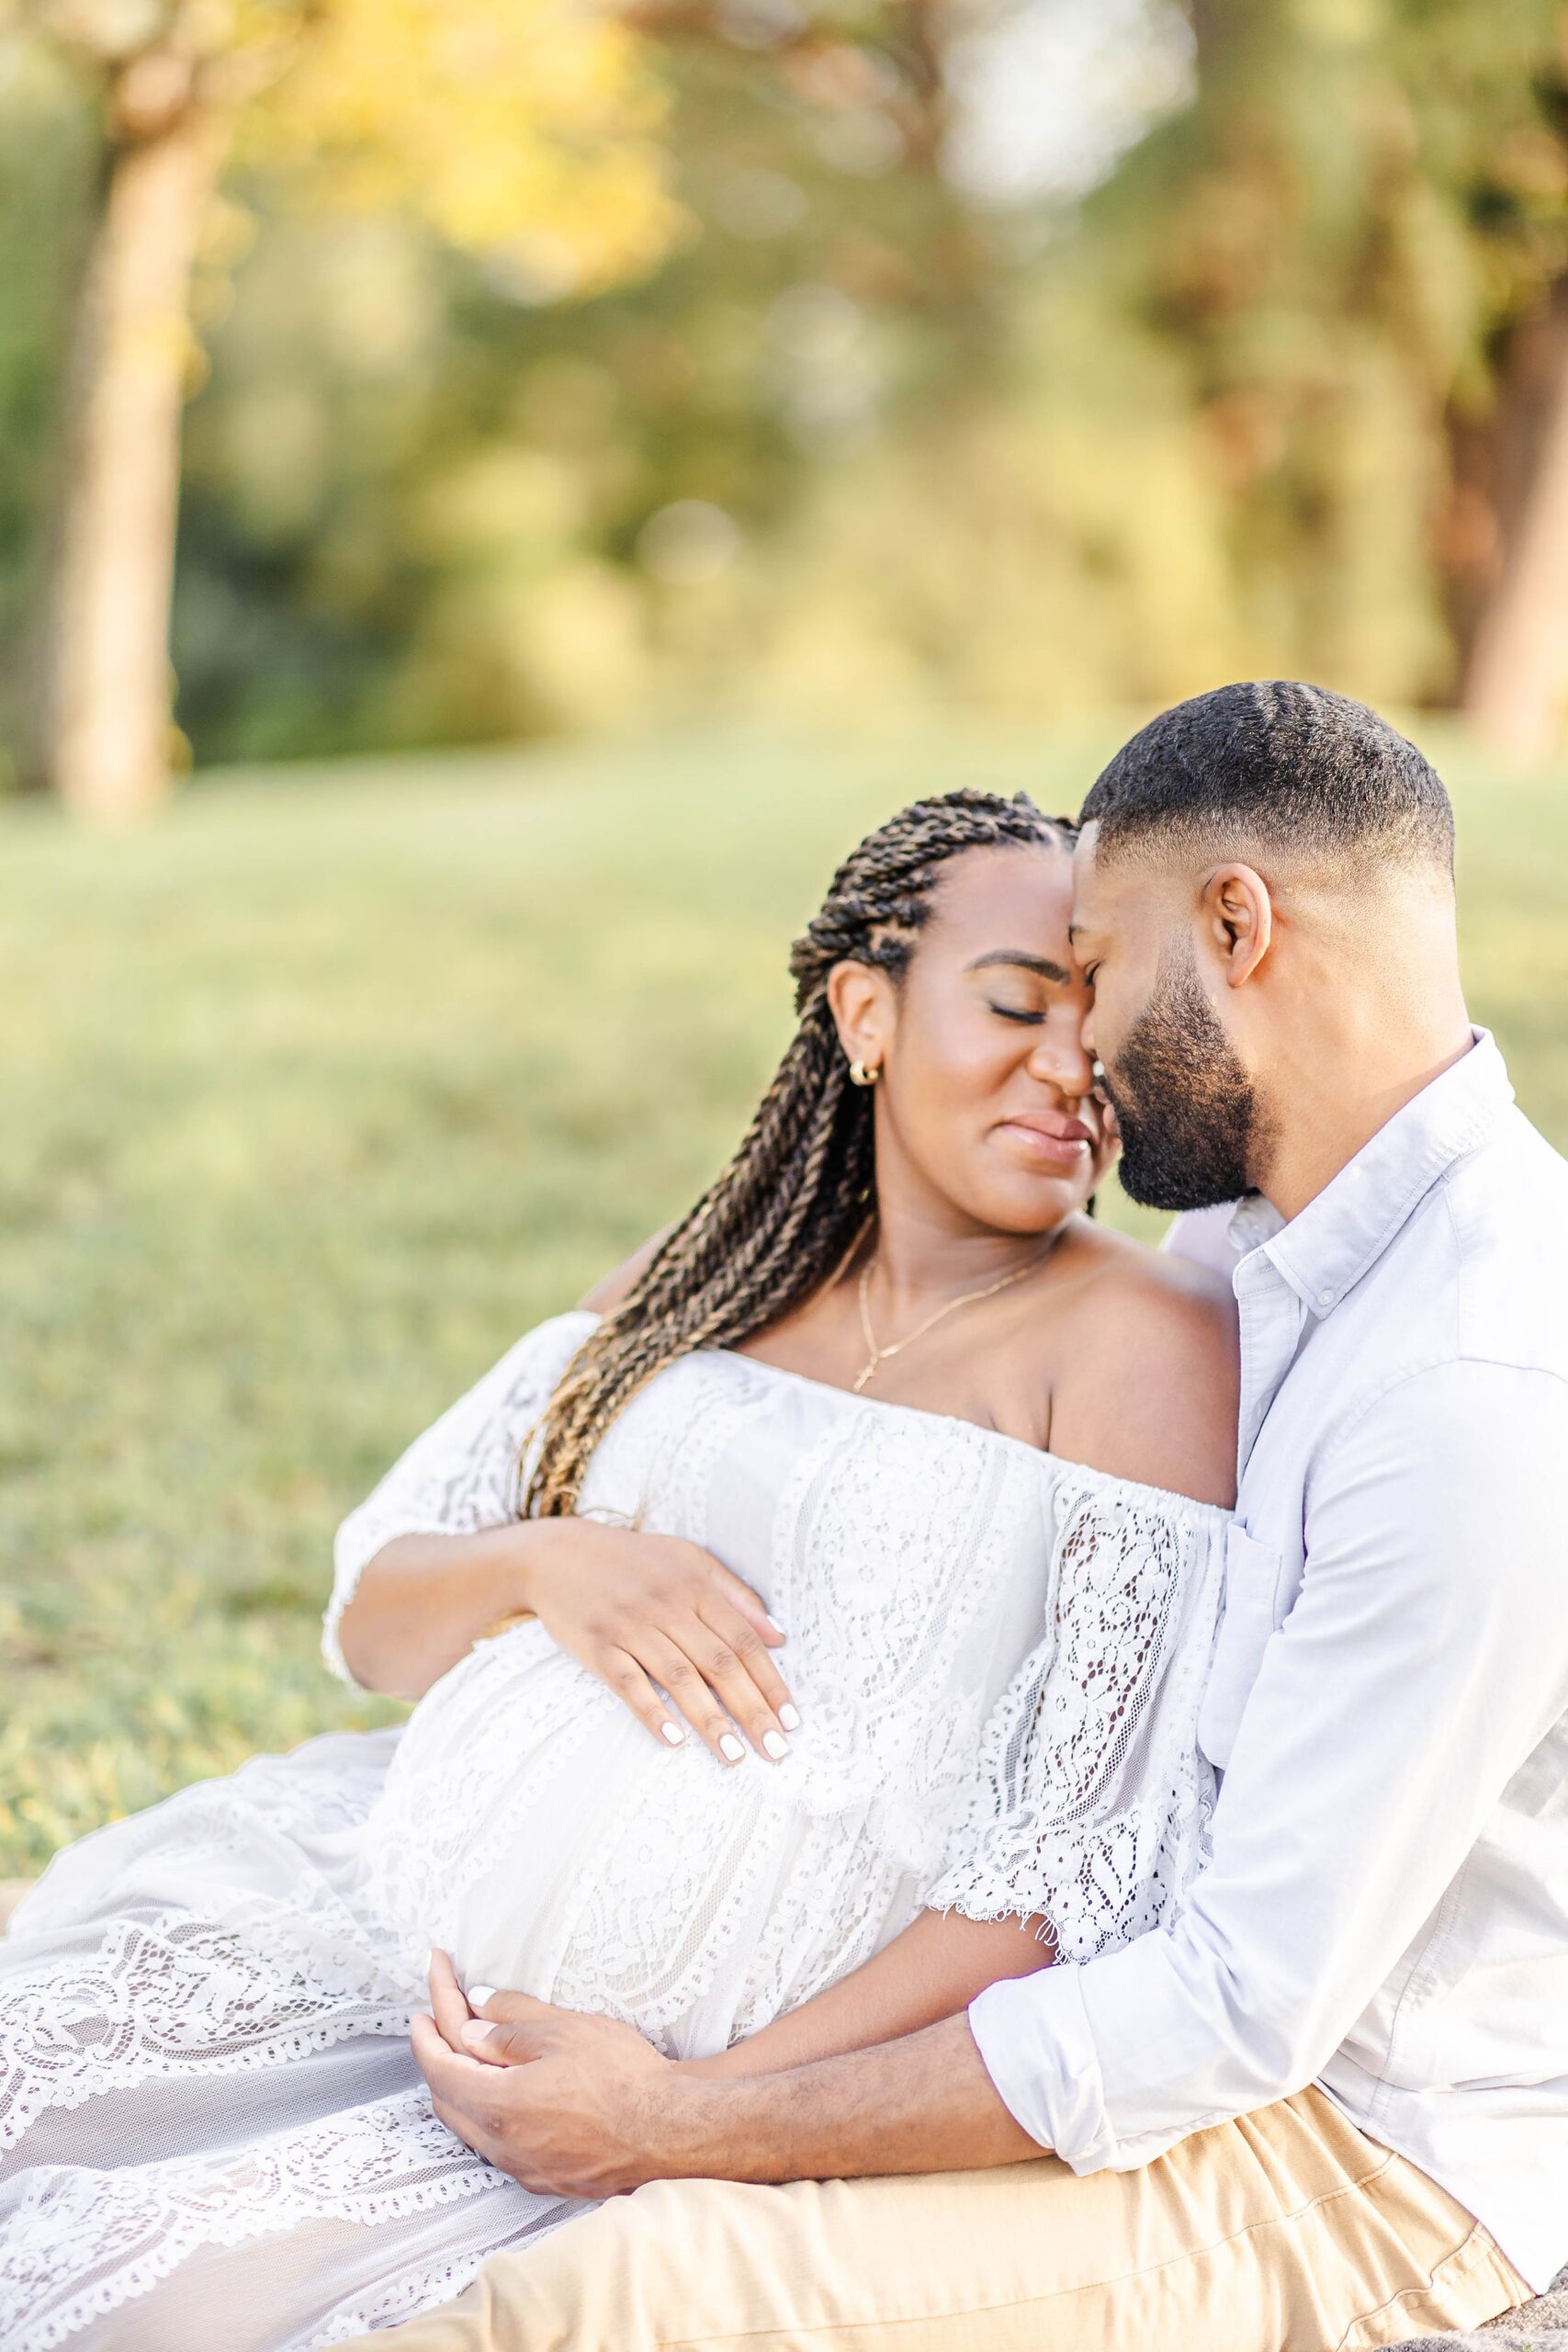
[1326, 2103]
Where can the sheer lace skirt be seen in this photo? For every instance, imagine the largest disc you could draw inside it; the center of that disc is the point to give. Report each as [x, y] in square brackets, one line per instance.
[208, 2103]
[207, 2099]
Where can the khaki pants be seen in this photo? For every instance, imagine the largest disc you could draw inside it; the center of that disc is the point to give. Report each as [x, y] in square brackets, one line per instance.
[1286, 2232]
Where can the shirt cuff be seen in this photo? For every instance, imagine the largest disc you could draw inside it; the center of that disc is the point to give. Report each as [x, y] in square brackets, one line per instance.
[1034, 2036]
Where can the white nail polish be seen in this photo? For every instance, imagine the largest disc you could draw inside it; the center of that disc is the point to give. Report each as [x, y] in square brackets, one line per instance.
[789, 1716]
[731, 1748]
[775, 1744]
[476, 2031]
[672, 1732]
[427, 1962]
[773, 1621]
[477, 1995]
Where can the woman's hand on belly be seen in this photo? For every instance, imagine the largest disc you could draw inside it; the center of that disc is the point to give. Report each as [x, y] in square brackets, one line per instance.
[638, 1610]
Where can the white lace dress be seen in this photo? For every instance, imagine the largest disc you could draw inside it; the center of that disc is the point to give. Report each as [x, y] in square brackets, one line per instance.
[212, 2135]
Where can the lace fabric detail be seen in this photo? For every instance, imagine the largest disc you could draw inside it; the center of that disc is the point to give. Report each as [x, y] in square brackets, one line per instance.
[250, 1949]
[699, 1896]
[446, 1818]
[411, 2288]
[723, 1397]
[390, 2160]
[1091, 1802]
[222, 1945]
[893, 1540]
[831, 1919]
[225, 1931]
[466, 1472]
[173, 1996]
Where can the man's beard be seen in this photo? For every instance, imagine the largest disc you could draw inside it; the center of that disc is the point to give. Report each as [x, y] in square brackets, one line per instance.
[1188, 1112]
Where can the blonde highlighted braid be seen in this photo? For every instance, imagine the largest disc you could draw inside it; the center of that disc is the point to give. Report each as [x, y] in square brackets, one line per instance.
[780, 1220]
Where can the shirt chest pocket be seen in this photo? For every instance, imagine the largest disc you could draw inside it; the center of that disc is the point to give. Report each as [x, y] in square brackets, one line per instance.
[1252, 1606]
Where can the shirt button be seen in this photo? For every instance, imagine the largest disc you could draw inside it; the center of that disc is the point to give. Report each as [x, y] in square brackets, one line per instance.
[1325, 1298]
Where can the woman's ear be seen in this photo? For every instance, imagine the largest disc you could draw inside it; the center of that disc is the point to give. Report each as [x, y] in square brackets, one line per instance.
[861, 1001]
[1238, 916]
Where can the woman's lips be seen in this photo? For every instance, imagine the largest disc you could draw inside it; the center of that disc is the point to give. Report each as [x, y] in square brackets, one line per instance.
[1059, 1142]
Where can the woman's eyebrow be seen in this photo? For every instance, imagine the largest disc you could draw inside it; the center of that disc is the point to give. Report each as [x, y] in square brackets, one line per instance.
[1040, 963]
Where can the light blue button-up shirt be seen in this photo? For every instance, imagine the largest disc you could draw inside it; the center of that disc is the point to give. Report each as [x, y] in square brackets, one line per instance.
[1386, 1907]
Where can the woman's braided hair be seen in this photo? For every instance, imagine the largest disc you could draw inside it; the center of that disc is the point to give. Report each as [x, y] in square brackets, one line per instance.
[780, 1220]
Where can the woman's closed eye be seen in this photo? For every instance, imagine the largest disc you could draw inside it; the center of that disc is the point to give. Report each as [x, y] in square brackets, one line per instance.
[1016, 1013]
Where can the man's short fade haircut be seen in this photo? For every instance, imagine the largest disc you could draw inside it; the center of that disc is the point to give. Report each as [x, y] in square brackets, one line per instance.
[1278, 765]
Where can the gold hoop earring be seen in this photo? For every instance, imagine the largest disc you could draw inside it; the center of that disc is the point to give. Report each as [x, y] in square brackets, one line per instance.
[860, 1076]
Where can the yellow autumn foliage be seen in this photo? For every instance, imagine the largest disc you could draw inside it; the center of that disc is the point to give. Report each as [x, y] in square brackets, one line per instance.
[528, 128]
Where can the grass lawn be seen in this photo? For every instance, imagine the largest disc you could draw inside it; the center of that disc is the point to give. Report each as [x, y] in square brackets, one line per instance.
[324, 1088]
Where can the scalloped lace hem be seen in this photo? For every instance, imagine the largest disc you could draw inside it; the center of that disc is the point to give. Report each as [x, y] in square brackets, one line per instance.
[173, 1997]
[327, 2173]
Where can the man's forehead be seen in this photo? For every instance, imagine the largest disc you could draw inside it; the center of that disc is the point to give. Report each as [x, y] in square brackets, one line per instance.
[1103, 900]
[1087, 890]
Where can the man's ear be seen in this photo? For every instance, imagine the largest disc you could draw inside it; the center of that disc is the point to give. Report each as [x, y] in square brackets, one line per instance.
[861, 1001]
[1236, 915]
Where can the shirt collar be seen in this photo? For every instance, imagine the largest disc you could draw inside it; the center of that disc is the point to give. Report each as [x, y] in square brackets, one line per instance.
[1324, 1251]
[1254, 1220]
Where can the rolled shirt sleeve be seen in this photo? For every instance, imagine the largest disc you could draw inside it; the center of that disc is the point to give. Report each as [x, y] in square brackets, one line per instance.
[1407, 1686]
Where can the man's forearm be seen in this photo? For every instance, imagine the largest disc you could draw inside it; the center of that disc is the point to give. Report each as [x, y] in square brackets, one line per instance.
[922, 2104]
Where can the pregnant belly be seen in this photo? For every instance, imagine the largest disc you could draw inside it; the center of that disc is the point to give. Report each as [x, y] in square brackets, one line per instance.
[532, 1828]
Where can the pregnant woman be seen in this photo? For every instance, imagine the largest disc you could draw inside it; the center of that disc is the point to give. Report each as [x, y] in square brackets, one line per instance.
[885, 1385]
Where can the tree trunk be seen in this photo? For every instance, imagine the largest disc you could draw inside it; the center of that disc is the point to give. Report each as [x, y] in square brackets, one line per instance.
[108, 685]
[1516, 680]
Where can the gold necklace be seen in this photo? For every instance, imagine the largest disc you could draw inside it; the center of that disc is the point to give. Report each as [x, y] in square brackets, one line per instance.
[879, 1356]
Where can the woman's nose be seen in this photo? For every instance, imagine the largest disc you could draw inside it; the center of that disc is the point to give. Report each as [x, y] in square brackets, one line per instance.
[1063, 1061]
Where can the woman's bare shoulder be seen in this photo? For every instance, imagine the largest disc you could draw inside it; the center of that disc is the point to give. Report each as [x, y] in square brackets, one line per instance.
[1112, 1265]
[607, 1294]
[1158, 1366]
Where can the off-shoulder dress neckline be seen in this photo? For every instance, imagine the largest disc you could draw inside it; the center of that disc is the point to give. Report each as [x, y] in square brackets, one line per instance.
[1058, 1463]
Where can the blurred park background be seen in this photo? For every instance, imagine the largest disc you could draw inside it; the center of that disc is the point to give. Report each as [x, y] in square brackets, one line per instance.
[495, 495]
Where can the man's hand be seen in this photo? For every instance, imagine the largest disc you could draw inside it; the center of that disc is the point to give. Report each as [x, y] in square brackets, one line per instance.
[583, 2108]
[567, 2104]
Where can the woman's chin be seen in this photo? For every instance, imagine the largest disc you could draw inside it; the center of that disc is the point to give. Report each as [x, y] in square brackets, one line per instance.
[1031, 1190]
[1038, 1204]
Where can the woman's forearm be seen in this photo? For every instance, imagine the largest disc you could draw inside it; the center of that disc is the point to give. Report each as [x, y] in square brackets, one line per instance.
[933, 1969]
[626, 1604]
[423, 1601]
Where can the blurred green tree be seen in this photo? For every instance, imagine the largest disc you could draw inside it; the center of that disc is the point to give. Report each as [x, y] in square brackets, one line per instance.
[927, 376]
[455, 508]
[502, 123]
[1492, 108]
[1356, 240]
